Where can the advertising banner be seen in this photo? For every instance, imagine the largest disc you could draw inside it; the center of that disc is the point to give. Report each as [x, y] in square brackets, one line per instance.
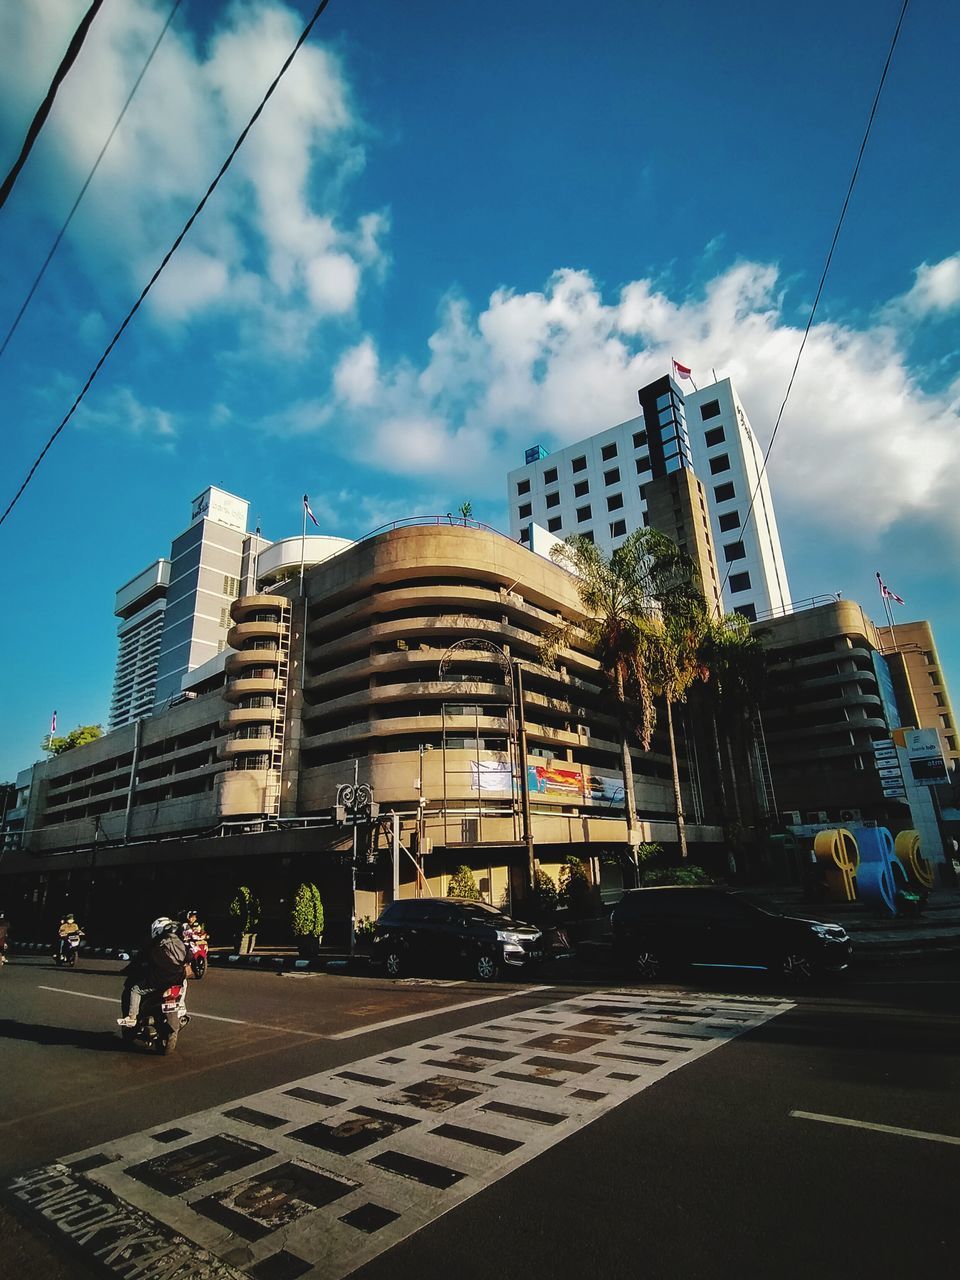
[601, 790]
[546, 780]
[491, 776]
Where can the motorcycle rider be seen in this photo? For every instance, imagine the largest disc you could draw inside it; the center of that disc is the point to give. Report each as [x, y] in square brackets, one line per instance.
[161, 964]
[68, 927]
[193, 927]
[4, 929]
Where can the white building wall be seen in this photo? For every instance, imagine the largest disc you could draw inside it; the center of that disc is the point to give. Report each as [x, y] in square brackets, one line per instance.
[561, 517]
[768, 591]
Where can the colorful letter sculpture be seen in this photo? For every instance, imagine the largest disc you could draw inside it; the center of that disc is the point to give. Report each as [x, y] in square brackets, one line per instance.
[881, 873]
[919, 870]
[839, 858]
[868, 866]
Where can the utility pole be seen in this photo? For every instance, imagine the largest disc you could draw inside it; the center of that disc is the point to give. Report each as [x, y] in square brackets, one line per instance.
[524, 788]
[354, 803]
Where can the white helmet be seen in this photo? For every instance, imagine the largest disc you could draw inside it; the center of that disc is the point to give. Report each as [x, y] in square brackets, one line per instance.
[161, 927]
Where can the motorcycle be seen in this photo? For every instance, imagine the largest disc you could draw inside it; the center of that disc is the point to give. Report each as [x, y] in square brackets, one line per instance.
[161, 1018]
[67, 948]
[198, 948]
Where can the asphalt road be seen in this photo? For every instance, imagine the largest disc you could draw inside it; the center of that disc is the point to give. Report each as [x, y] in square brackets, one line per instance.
[707, 1172]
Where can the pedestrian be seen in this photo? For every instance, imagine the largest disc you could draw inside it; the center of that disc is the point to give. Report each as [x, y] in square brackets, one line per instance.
[4, 930]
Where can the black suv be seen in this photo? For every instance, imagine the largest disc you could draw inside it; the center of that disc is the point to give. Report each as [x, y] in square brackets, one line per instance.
[453, 934]
[654, 929]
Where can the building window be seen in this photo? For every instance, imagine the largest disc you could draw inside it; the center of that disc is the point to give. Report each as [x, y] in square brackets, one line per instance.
[553, 499]
[730, 521]
[748, 611]
[714, 437]
[525, 511]
[643, 464]
[618, 528]
[724, 492]
[578, 464]
[588, 534]
[584, 513]
[642, 490]
[934, 677]
[941, 700]
[523, 486]
[612, 476]
[581, 488]
[550, 476]
[928, 657]
[224, 617]
[231, 587]
[639, 439]
[739, 582]
[945, 722]
[554, 524]
[608, 451]
[951, 743]
[710, 410]
[614, 501]
[733, 551]
[646, 519]
[525, 533]
[720, 463]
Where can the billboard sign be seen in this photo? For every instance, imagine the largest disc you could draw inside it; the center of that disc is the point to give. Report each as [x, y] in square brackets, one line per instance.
[558, 784]
[925, 753]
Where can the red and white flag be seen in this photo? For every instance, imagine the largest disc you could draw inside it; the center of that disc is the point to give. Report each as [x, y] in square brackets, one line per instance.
[886, 593]
[681, 371]
[306, 507]
[53, 724]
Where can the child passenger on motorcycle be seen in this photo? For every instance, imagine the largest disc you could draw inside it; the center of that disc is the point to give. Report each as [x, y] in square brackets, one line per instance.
[159, 965]
[68, 926]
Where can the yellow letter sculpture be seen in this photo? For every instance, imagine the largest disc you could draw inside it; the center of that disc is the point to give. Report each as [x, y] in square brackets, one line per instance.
[839, 856]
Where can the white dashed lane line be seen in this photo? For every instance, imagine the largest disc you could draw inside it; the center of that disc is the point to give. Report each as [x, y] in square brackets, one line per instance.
[320, 1175]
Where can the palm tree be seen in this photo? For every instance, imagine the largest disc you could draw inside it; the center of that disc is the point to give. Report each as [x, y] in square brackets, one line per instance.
[620, 595]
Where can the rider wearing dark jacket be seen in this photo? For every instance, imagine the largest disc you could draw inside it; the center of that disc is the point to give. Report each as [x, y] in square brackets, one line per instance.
[159, 965]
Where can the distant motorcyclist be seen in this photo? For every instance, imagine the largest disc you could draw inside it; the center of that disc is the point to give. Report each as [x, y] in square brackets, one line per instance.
[4, 929]
[68, 928]
[194, 929]
[161, 964]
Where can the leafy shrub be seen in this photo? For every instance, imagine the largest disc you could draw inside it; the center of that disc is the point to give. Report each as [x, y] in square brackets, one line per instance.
[306, 914]
[463, 885]
[365, 928]
[690, 876]
[245, 909]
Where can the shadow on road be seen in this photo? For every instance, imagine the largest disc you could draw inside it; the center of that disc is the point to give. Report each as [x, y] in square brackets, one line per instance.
[107, 1041]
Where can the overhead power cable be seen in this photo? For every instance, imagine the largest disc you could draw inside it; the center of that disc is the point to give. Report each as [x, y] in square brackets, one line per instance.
[83, 190]
[304, 36]
[823, 277]
[36, 124]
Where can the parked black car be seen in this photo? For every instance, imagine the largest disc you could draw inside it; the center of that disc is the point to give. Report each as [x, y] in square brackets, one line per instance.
[453, 935]
[656, 929]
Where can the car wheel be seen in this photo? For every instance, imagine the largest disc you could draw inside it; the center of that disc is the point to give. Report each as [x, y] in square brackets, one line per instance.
[795, 967]
[485, 967]
[393, 963]
[647, 965]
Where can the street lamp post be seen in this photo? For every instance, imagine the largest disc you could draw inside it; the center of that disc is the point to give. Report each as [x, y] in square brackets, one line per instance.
[354, 804]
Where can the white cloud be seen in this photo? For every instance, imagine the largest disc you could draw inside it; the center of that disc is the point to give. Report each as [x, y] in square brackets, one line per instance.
[862, 445]
[936, 289]
[274, 234]
[119, 412]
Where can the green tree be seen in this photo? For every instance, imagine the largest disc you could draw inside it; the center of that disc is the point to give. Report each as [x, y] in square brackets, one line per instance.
[306, 914]
[574, 892]
[466, 511]
[463, 885]
[544, 901]
[78, 737]
[245, 909]
[623, 630]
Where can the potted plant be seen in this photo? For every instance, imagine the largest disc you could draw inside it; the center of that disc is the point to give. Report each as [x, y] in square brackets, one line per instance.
[245, 910]
[463, 885]
[306, 919]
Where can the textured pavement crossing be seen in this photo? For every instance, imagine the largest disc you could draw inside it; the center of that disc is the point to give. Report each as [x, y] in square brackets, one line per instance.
[320, 1175]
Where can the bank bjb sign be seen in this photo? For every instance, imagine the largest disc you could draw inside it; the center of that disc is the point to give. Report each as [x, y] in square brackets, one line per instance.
[925, 754]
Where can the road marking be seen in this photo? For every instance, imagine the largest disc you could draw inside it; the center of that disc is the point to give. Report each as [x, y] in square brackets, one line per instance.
[429, 1013]
[878, 1128]
[323, 1174]
[210, 1017]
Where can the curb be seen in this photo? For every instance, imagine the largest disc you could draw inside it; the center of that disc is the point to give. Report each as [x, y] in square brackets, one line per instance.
[93, 953]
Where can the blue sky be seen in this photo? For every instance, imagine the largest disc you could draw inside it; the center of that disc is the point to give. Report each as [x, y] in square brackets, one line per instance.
[458, 230]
